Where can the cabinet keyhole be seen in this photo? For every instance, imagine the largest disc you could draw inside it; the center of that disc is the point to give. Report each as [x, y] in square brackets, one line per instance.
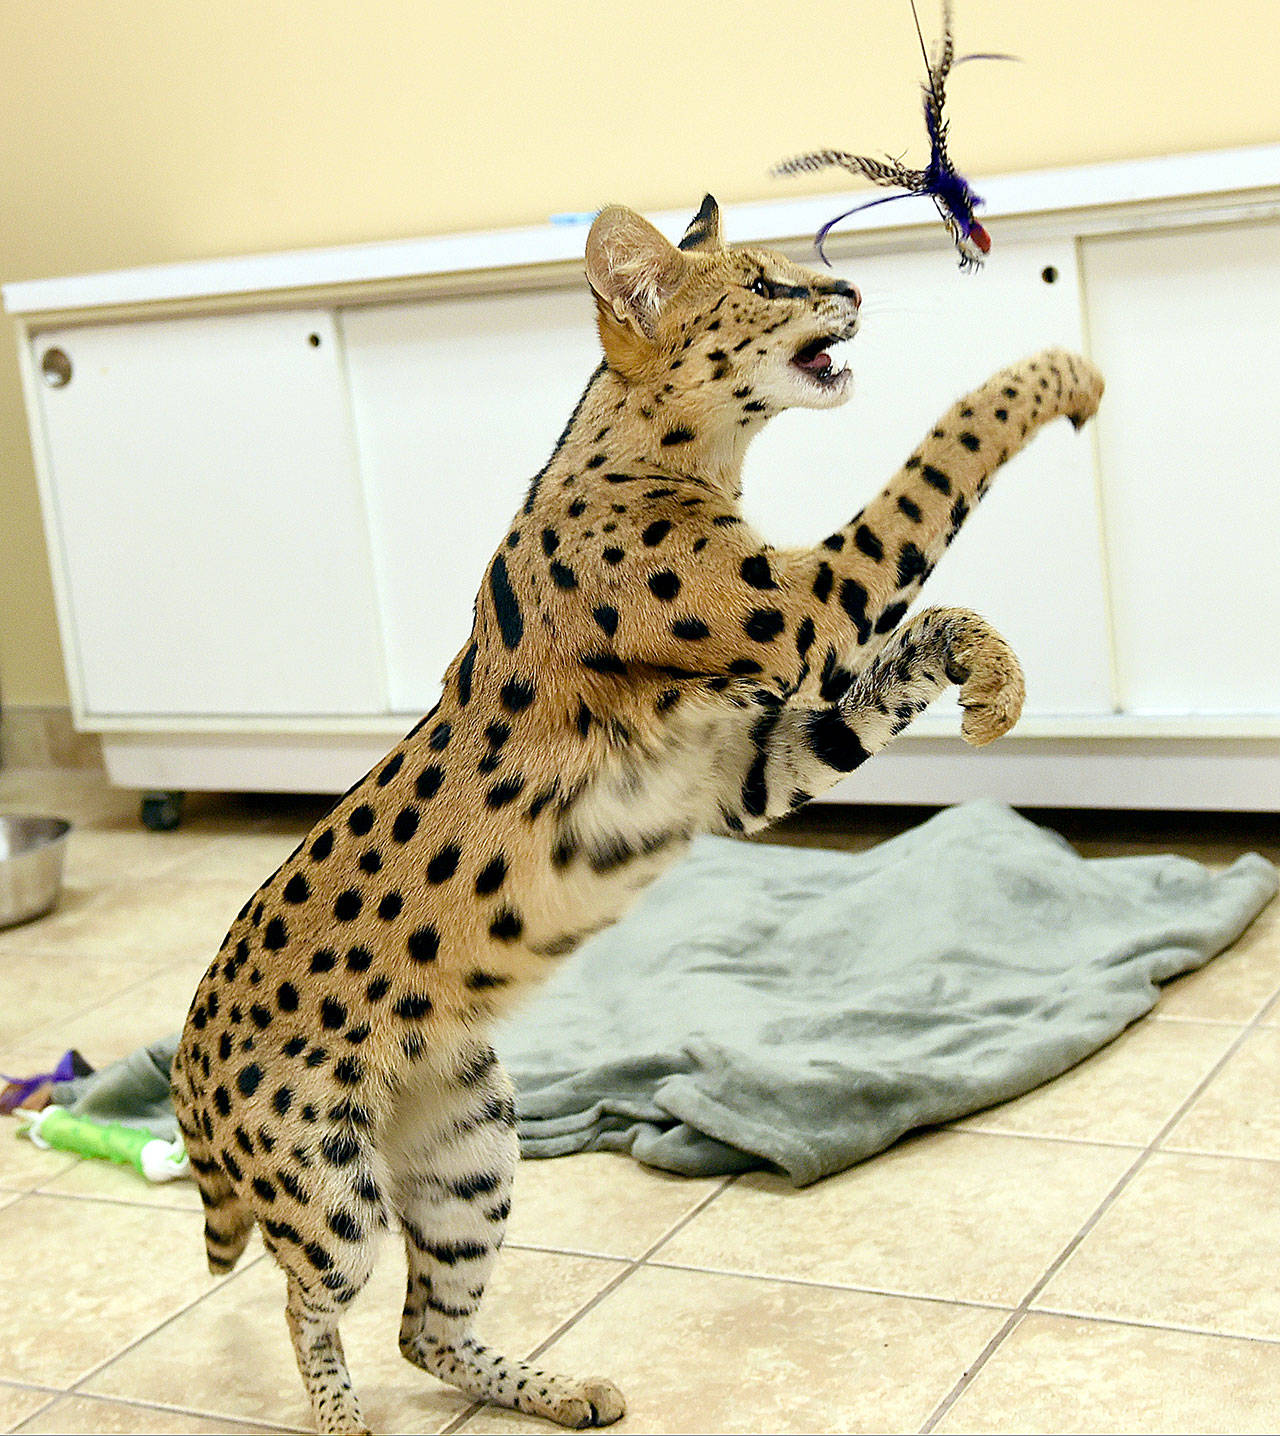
[55, 366]
[1049, 274]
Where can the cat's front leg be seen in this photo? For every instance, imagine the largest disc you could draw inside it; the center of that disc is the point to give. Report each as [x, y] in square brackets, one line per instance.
[866, 574]
[794, 751]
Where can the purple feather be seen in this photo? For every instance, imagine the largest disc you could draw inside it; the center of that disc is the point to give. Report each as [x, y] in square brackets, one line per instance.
[940, 180]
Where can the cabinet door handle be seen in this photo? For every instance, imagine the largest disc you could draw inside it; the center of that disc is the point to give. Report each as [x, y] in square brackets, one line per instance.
[55, 366]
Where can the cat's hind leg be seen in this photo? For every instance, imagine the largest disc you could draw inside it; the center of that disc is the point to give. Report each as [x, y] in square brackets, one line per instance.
[451, 1179]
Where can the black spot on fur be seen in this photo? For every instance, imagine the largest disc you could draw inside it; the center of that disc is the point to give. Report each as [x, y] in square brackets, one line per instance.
[834, 742]
[427, 786]
[444, 864]
[890, 618]
[296, 890]
[504, 792]
[607, 617]
[868, 542]
[516, 695]
[339, 1149]
[664, 584]
[347, 905]
[507, 925]
[764, 624]
[911, 564]
[563, 576]
[935, 478]
[479, 981]
[505, 606]
[491, 876]
[608, 663]
[756, 571]
[413, 1007]
[853, 599]
[690, 629]
[423, 943]
[465, 669]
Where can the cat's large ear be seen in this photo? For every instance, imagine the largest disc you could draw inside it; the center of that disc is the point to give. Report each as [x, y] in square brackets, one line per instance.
[704, 230]
[632, 270]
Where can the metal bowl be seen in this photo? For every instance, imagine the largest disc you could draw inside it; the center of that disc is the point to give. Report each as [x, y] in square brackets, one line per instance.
[31, 856]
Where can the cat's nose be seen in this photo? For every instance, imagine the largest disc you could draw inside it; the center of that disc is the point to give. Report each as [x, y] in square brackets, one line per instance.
[850, 291]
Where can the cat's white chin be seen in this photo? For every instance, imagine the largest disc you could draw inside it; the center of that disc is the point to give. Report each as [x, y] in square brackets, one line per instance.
[827, 390]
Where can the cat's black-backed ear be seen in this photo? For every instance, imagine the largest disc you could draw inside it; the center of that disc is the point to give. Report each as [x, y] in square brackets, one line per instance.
[633, 270]
[704, 230]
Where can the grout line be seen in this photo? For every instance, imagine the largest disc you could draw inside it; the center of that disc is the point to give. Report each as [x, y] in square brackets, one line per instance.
[53, 1400]
[965, 1129]
[1106, 1203]
[633, 1265]
[1131, 1321]
[98, 1197]
[130, 1402]
[812, 1283]
[74, 1388]
[54, 1394]
[1178, 1017]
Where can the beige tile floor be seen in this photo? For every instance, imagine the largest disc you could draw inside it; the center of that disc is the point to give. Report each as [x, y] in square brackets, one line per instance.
[1099, 1255]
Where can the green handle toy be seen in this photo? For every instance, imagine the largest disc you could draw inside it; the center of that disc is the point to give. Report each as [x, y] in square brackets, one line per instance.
[156, 1159]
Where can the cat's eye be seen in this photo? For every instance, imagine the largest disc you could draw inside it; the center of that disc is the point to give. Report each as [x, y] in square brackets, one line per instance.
[762, 287]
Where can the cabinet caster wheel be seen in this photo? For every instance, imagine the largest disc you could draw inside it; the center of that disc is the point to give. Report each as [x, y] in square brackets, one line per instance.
[161, 812]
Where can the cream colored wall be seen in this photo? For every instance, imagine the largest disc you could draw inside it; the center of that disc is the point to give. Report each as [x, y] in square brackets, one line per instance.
[139, 131]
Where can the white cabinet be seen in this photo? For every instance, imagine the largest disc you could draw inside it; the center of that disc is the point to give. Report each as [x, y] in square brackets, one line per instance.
[271, 484]
[207, 522]
[1186, 327]
[458, 403]
[1030, 558]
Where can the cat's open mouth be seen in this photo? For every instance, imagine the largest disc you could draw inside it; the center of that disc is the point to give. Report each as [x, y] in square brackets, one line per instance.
[815, 363]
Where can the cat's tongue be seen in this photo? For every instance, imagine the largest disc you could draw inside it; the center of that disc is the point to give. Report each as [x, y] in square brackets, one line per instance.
[817, 362]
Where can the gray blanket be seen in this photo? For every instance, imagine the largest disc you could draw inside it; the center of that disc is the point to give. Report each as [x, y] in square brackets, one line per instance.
[802, 1009]
[767, 1005]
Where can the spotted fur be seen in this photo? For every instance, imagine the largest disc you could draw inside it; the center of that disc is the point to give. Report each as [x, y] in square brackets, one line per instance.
[643, 667]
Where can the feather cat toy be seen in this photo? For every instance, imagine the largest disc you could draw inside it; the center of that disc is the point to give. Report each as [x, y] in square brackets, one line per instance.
[949, 190]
